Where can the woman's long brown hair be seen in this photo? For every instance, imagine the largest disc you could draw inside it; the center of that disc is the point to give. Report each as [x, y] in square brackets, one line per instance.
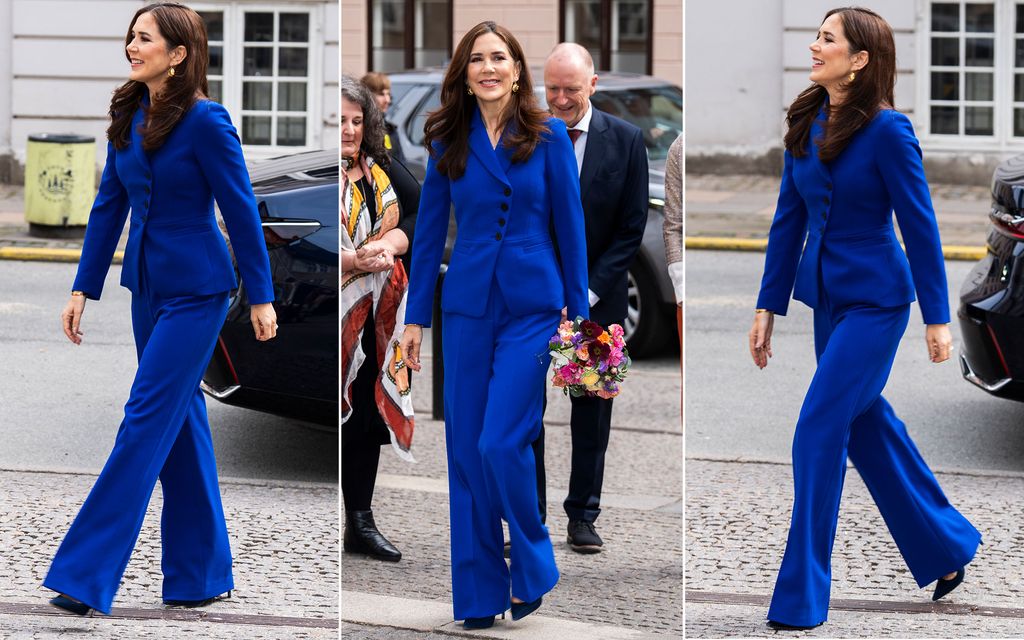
[524, 121]
[179, 26]
[871, 90]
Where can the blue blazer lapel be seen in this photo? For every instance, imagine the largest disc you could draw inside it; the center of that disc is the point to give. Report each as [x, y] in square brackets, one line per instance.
[137, 150]
[595, 148]
[816, 132]
[480, 146]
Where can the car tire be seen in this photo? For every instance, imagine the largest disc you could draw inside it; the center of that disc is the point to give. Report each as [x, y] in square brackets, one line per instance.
[646, 325]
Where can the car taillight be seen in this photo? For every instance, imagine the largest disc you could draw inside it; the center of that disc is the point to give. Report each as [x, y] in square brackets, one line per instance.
[1008, 223]
[227, 359]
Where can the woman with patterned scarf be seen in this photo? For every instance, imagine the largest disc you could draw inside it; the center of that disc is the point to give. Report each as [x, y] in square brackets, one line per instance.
[379, 202]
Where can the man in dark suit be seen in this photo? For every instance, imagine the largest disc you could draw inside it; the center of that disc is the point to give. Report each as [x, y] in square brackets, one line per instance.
[612, 164]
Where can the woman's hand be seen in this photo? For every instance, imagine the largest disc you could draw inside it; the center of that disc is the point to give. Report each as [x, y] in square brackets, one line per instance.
[71, 318]
[761, 338]
[374, 256]
[264, 321]
[939, 341]
[410, 346]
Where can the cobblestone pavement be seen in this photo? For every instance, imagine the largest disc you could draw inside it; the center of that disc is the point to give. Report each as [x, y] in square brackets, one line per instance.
[284, 538]
[737, 516]
[635, 584]
[742, 206]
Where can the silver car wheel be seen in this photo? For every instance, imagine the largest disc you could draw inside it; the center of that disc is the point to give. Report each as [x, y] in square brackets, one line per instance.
[633, 307]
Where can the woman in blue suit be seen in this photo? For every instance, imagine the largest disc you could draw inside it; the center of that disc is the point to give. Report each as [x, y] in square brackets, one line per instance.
[510, 171]
[171, 152]
[850, 161]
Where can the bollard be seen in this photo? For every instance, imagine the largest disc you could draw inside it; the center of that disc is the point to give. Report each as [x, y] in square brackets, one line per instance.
[60, 184]
[437, 367]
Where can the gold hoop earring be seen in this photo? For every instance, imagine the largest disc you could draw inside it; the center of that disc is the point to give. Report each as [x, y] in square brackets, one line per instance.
[853, 75]
[515, 87]
[170, 72]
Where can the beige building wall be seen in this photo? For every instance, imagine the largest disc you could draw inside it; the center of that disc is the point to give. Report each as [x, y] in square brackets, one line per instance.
[535, 24]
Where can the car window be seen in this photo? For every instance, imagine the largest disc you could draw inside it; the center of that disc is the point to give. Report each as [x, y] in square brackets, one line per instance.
[398, 92]
[658, 111]
[414, 125]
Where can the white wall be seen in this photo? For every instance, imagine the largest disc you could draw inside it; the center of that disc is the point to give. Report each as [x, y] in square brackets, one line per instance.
[6, 42]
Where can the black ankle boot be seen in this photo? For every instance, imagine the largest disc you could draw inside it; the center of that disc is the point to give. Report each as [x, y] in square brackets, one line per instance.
[361, 536]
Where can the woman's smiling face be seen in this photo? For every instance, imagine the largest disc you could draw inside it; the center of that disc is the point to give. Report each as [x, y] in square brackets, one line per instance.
[831, 60]
[491, 70]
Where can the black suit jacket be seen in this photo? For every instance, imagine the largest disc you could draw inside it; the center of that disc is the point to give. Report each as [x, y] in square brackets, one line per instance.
[614, 188]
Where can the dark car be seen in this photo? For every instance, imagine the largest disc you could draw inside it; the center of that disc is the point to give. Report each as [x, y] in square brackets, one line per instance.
[651, 104]
[296, 373]
[992, 298]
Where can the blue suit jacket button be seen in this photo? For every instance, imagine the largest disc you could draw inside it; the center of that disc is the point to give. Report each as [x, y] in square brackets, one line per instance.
[508, 191]
[501, 222]
[497, 236]
[504, 206]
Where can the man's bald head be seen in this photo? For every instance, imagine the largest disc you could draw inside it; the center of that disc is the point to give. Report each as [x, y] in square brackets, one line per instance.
[569, 81]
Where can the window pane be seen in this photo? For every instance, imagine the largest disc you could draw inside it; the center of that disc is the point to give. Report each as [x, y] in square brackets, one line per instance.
[214, 24]
[259, 27]
[414, 127]
[258, 61]
[583, 26]
[978, 121]
[944, 120]
[216, 60]
[291, 132]
[979, 52]
[291, 61]
[980, 18]
[432, 32]
[1018, 56]
[1018, 122]
[945, 85]
[1018, 88]
[388, 35]
[256, 96]
[1020, 19]
[978, 86]
[945, 16]
[291, 96]
[945, 52]
[294, 27]
[256, 130]
[216, 90]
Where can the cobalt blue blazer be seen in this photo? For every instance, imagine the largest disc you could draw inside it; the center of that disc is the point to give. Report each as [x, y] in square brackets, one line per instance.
[844, 211]
[505, 212]
[173, 234]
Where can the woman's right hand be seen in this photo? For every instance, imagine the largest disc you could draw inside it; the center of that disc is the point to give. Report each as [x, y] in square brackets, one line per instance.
[71, 318]
[410, 346]
[761, 338]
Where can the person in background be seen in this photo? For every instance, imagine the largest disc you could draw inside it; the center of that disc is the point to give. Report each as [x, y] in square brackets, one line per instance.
[379, 85]
[672, 230]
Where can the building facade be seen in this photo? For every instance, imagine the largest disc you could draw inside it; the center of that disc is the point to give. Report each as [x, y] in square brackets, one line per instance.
[273, 64]
[960, 79]
[641, 36]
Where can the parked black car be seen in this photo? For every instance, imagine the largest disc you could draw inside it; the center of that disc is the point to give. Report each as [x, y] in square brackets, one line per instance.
[651, 104]
[992, 298]
[295, 374]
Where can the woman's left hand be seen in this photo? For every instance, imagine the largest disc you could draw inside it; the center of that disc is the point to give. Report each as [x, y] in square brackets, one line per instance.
[375, 256]
[940, 342]
[264, 321]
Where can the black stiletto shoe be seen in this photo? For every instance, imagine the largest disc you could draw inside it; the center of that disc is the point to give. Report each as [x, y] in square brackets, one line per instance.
[943, 587]
[194, 604]
[522, 609]
[478, 623]
[782, 626]
[70, 605]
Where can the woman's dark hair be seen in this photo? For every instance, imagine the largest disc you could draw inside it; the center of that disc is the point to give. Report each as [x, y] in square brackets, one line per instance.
[179, 26]
[373, 121]
[870, 91]
[524, 120]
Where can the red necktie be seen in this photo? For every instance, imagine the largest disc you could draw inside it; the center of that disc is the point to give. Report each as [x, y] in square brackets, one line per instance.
[574, 135]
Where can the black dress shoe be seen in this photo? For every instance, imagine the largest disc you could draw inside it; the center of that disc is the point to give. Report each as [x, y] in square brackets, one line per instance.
[943, 587]
[583, 537]
[522, 609]
[782, 626]
[70, 605]
[361, 536]
[478, 623]
[193, 604]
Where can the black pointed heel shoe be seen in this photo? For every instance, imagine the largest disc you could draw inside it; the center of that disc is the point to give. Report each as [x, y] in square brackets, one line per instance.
[522, 609]
[71, 605]
[478, 623]
[943, 587]
[782, 626]
[361, 536]
[194, 604]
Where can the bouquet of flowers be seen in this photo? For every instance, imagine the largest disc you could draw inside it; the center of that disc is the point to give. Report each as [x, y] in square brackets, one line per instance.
[589, 361]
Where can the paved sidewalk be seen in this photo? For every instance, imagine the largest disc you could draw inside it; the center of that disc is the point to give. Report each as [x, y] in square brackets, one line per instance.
[743, 206]
[284, 538]
[17, 244]
[737, 516]
[633, 589]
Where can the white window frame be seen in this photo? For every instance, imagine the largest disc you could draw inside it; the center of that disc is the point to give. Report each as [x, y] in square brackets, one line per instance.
[234, 37]
[1002, 139]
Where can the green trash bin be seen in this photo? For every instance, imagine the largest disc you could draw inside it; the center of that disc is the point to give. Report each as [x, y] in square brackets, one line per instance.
[60, 184]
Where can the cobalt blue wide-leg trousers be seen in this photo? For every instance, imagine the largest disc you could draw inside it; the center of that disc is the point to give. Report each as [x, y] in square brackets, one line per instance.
[165, 435]
[495, 370]
[844, 415]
